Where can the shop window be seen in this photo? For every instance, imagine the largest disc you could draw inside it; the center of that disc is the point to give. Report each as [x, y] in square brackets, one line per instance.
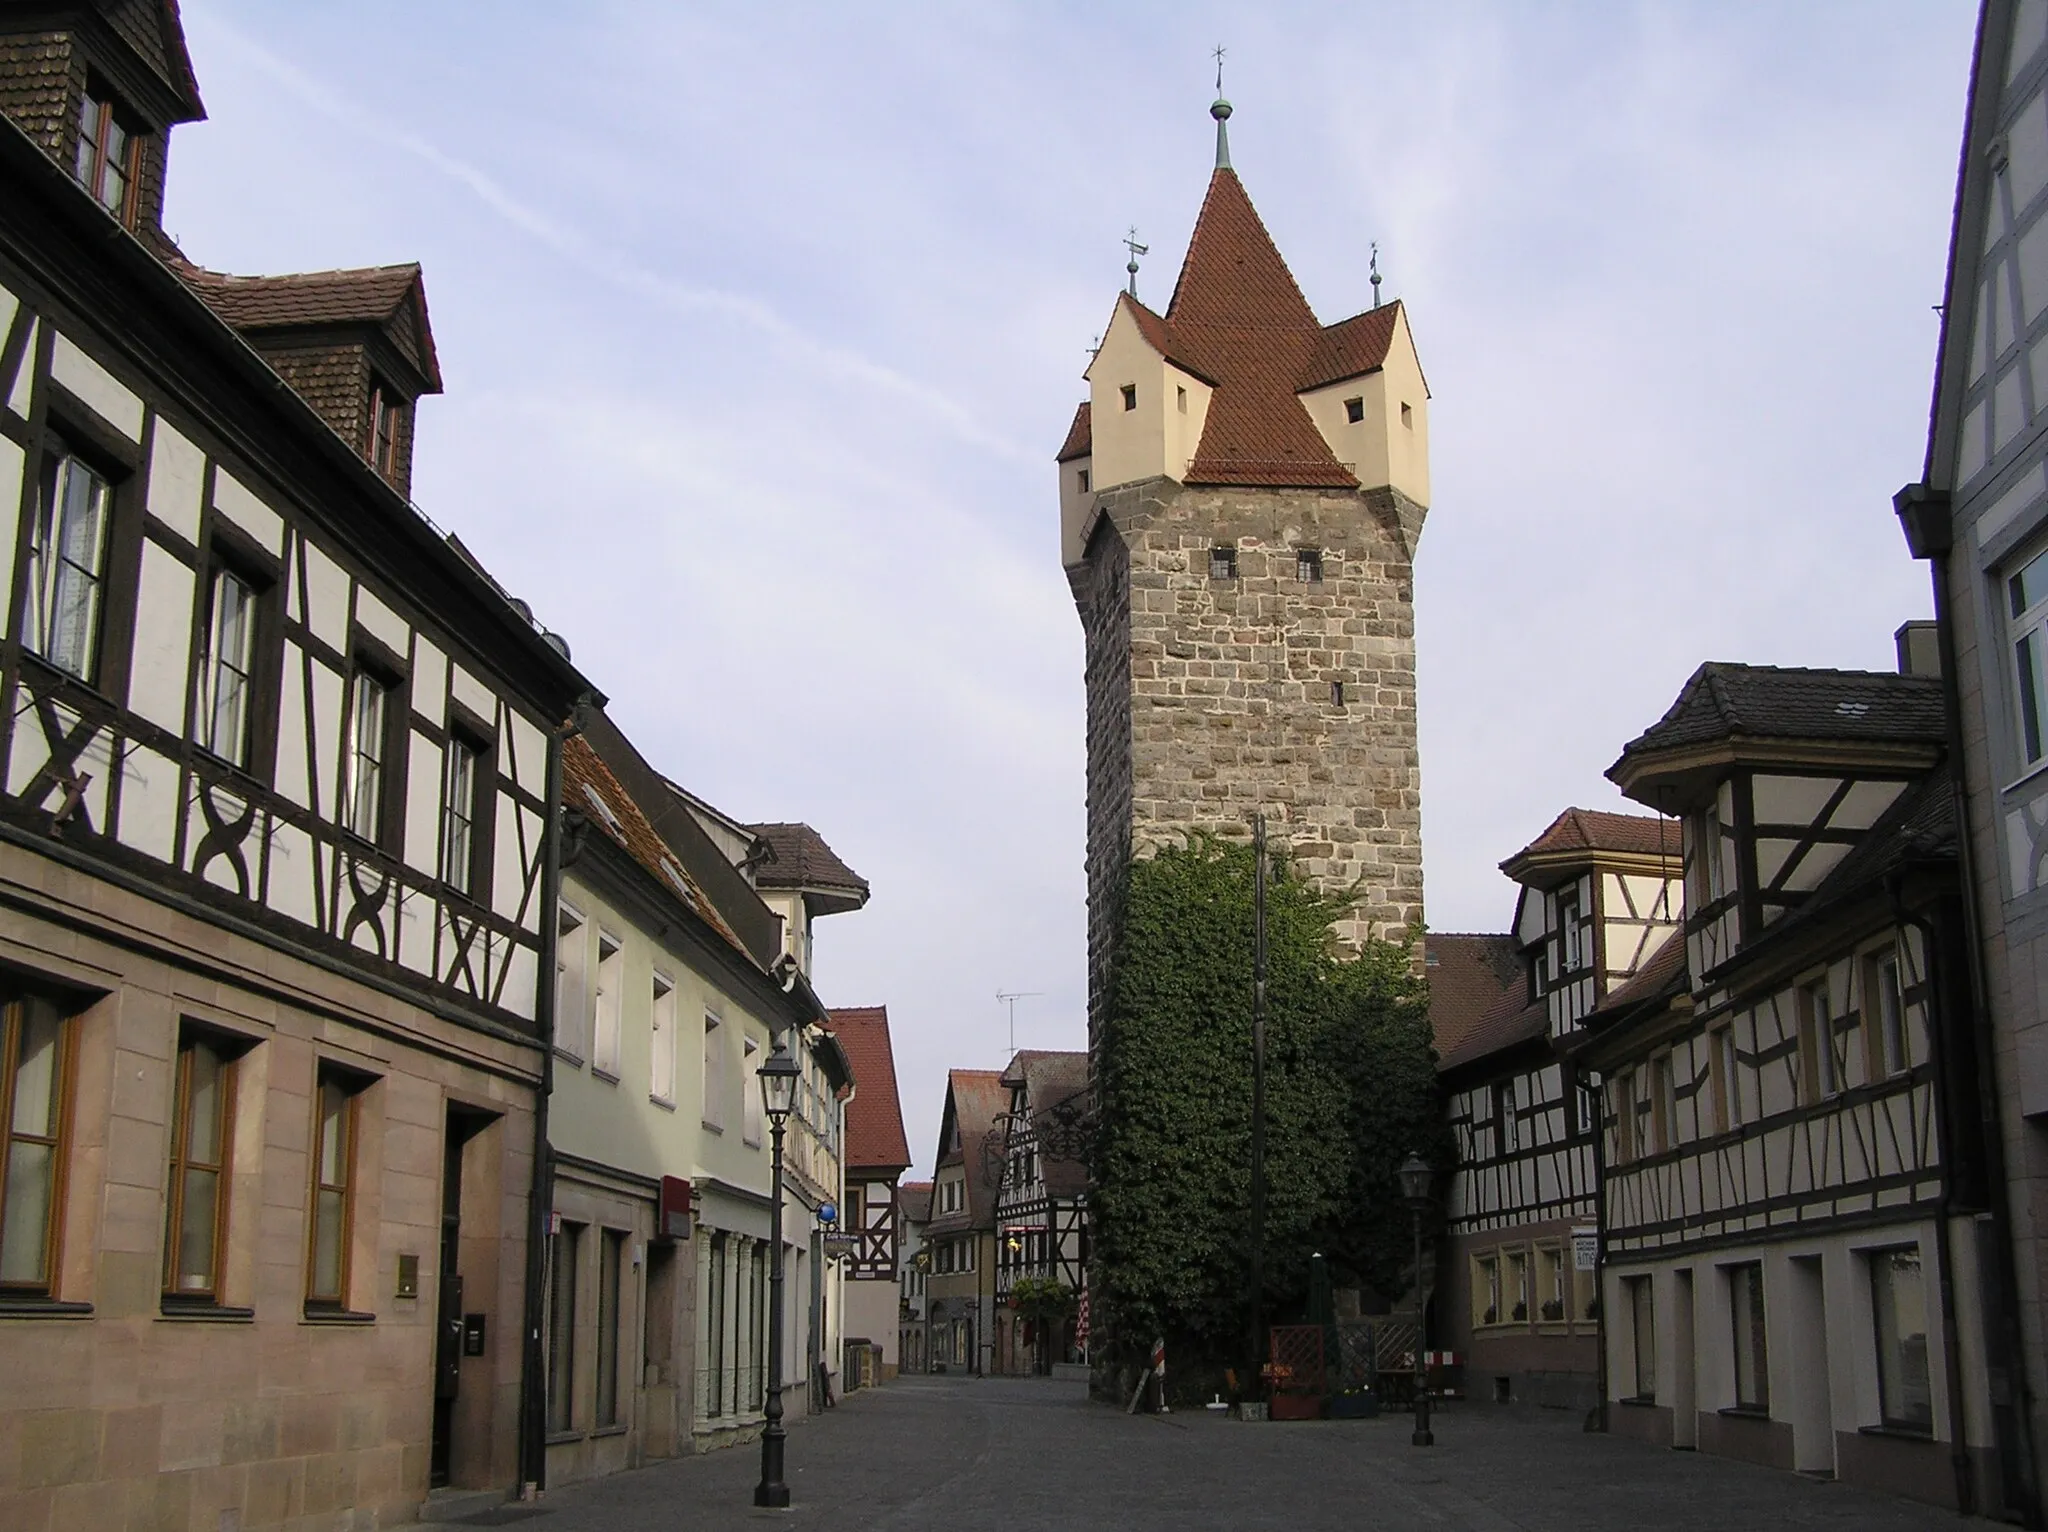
[1898, 1304]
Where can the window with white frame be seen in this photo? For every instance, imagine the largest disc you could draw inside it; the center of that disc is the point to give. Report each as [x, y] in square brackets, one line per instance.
[458, 814]
[1504, 1111]
[611, 966]
[1486, 1290]
[661, 1074]
[227, 669]
[68, 567]
[714, 1072]
[369, 729]
[1727, 1079]
[750, 1094]
[1572, 954]
[2027, 599]
[1663, 1103]
[1817, 1022]
[1886, 1020]
[572, 974]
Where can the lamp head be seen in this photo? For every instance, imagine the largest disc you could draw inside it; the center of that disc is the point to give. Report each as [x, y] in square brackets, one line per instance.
[779, 1074]
[1415, 1176]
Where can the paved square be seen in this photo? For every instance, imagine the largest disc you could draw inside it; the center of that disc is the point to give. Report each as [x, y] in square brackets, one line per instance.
[1025, 1454]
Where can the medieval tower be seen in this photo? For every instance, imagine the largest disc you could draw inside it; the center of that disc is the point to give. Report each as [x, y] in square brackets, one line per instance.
[1240, 499]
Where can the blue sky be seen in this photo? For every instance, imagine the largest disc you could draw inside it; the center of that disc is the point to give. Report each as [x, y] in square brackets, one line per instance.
[760, 327]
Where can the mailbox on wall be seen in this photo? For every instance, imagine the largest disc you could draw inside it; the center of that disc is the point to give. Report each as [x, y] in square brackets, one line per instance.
[674, 1221]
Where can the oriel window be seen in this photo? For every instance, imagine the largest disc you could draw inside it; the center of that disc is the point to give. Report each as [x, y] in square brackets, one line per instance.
[68, 567]
[369, 729]
[458, 815]
[334, 1151]
[202, 1126]
[106, 154]
[34, 1066]
[228, 668]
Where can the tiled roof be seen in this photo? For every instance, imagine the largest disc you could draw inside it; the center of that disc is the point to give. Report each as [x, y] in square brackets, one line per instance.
[1724, 701]
[978, 1098]
[1080, 435]
[1511, 1019]
[1239, 322]
[1055, 1089]
[802, 860]
[915, 1199]
[874, 1118]
[1467, 976]
[1664, 973]
[590, 789]
[391, 297]
[1599, 830]
[156, 32]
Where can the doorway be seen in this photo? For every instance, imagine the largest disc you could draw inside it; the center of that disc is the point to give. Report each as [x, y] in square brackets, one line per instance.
[1685, 1409]
[451, 1328]
[1813, 1423]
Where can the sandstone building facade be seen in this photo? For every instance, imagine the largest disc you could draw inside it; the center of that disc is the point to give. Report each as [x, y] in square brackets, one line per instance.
[1240, 500]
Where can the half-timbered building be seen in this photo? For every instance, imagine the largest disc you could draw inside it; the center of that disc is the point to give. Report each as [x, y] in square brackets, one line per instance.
[276, 762]
[877, 1154]
[1041, 1201]
[960, 1295]
[1979, 518]
[1793, 1251]
[914, 1213]
[1597, 894]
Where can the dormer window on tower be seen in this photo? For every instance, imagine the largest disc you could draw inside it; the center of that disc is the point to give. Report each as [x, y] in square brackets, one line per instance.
[1130, 392]
[105, 165]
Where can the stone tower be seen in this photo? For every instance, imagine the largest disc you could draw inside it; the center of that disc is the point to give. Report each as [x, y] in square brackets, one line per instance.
[1240, 500]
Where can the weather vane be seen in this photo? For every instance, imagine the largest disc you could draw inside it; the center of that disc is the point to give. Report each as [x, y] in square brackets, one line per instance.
[1219, 51]
[1375, 273]
[1131, 244]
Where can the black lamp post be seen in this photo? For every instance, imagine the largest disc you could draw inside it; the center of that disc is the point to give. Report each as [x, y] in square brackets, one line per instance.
[1415, 1179]
[778, 1095]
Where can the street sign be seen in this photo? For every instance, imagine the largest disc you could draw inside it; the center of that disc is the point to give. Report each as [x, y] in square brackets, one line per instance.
[1585, 1249]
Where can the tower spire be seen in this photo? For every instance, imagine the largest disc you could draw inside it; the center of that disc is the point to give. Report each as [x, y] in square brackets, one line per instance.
[1375, 273]
[1131, 244]
[1220, 110]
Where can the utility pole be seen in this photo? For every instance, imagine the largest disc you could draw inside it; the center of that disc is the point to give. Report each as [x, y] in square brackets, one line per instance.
[1258, 1231]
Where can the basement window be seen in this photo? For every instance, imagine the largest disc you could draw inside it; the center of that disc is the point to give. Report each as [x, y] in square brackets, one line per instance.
[1081, 478]
[1407, 417]
[1308, 565]
[1223, 563]
[1354, 410]
[1130, 396]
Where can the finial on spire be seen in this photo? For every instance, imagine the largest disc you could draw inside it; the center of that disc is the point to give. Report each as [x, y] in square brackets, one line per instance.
[1131, 244]
[1220, 110]
[1375, 273]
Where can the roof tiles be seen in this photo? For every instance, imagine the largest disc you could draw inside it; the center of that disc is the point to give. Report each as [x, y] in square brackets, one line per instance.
[874, 1118]
[1723, 701]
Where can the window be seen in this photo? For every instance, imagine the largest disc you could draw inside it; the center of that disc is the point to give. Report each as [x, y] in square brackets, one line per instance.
[1223, 563]
[1817, 1022]
[661, 1074]
[1746, 1311]
[1582, 1110]
[714, 1073]
[1354, 410]
[751, 1107]
[202, 1124]
[611, 978]
[1504, 1112]
[1518, 1285]
[2028, 591]
[1308, 565]
[458, 815]
[1081, 479]
[1624, 1089]
[1550, 1284]
[1663, 1103]
[1642, 1313]
[1887, 1015]
[369, 729]
[1408, 417]
[227, 669]
[68, 566]
[1707, 853]
[1130, 392]
[35, 1047]
[610, 1262]
[1571, 956]
[106, 153]
[385, 424]
[1727, 1080]
[714, 1329]
[572, 963]
[562, 1327]
[334, 1150]
[1336, 694]
[1898, 1305]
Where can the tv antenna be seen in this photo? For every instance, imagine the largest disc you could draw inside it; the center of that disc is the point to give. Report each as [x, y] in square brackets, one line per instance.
[1010, 997]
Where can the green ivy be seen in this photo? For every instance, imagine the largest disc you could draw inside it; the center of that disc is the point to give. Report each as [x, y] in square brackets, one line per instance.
[1350, 1094]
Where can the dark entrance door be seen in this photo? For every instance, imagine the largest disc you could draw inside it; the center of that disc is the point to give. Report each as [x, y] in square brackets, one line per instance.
[448, 1318]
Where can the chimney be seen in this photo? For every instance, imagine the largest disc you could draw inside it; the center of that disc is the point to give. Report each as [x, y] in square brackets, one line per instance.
[1919, 645]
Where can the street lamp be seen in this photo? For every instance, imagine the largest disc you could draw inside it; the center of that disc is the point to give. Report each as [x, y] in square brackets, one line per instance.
[1415, 1177]
[778, 1096]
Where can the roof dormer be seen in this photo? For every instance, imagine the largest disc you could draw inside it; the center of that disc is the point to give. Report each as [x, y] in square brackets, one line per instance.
[100, 86]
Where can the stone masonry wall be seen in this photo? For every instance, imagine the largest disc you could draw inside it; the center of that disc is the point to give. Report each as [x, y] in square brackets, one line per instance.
[1210, 700]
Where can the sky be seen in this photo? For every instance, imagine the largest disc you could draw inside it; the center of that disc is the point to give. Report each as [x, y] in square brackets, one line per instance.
[760, 327]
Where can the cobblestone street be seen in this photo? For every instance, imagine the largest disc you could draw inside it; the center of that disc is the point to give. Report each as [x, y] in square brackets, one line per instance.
[962, 1453]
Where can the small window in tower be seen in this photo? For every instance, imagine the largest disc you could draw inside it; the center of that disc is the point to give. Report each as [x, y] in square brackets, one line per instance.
[106, 152]
[1130, 396]
[1180, 397]
[1354, 410]
[1336, 694]
[1082, 478]
[1223, 563]
[1308, 565]
[1407, 417]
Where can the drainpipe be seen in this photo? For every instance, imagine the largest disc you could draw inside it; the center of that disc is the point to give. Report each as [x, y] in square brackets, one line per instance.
[1925, 515]
[540, 1198]
[1939, 1041]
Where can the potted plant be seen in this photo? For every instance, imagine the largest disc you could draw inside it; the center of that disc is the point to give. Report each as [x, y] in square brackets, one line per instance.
[1521, 1311]
[1359, 1403]
[1492, 1316]
[1553, 1309]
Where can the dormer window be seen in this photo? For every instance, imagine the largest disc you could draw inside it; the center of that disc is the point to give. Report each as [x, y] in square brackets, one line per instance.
[1130, 392]
[384, 430]
[106, 153]
[1354, 410]
[1082, 479]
